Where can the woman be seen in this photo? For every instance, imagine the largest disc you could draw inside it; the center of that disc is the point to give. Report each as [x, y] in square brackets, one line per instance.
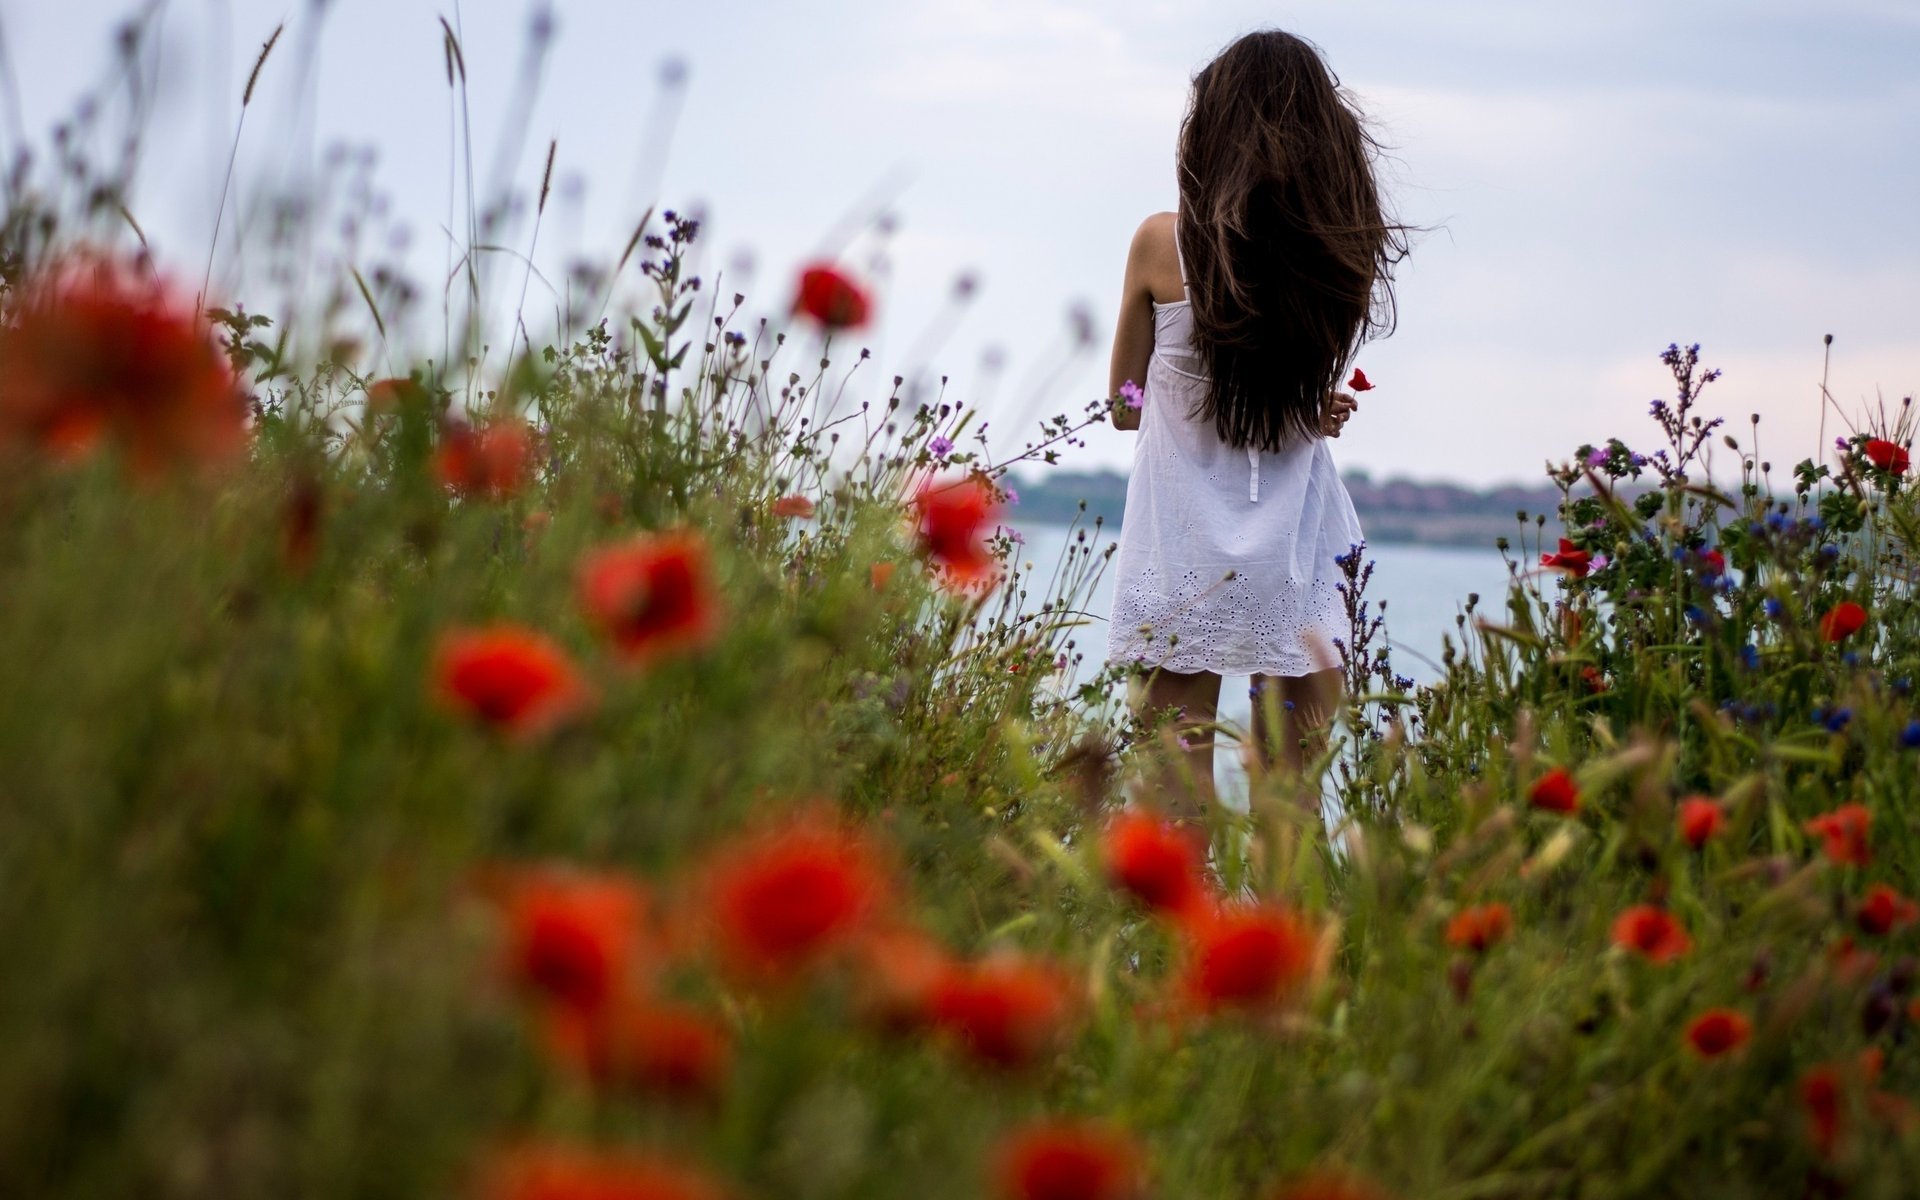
[1240, 314]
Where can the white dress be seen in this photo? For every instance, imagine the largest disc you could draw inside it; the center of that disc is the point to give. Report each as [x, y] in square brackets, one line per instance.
[1226, 555]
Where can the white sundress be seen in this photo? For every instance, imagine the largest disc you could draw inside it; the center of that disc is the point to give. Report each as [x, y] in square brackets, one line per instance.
[1226, 554]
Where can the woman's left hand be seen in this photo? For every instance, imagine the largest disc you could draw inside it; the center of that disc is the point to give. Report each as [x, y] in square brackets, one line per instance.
[1340, 406]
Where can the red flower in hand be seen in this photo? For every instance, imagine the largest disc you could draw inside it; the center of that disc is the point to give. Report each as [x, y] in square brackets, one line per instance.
[1888, 456]
[1651, 933]
[830, 297]
[953, 521]
[1155, 860]
[1844, 831]
[1700, 819]
[1360, 382]
[1069, 1161]
[1718, 1031]
[652, 596]
[1555, 792]
[510, 678]
[1478, 929]
[1885, 910]
[1842, 621]
[1570, 558]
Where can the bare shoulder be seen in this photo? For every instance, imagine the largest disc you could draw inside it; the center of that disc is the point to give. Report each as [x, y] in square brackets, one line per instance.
[1152, 259]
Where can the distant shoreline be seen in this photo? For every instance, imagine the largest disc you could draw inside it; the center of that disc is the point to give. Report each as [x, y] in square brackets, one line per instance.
[1392, 512]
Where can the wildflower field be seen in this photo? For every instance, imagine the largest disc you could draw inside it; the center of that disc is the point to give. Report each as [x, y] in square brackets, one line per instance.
[624, 771]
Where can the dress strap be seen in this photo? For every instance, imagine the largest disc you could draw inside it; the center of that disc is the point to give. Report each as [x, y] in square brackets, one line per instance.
[1179, 259]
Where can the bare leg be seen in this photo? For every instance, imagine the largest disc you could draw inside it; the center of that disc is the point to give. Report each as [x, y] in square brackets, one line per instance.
[1305, 706]
[1184, 777]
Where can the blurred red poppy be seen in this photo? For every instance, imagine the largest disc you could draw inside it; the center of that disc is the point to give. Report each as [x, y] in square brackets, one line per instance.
[1884, 910]
[784, 900]
[510, 678]
[1154, 860]
[1842, 621]
[1820, 1100]
[953, 519]
[1718, 1031]
[1701, 819]
[1570, 558]
[1844, 831]
[1480, 928]
[1247, 956]
[900, 969]
[831, 297]
[1359, 382]
[1005, 1011]
[653, 1046]
[489, 463]
[572, 939]
[1069, 1161]
[1888, 456]
[653, 596]
[94, 353]
[553, 1172]
[1555, 792]
[791, 507]
[1651, 933]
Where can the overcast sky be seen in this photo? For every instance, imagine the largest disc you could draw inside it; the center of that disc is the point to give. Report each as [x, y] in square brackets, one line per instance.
[1597, 180]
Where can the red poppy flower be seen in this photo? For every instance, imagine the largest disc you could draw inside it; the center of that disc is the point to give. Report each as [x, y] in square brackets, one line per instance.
[1595, 680]
[1005, 1011]
[830, 297]
[1324, 1185]
[1718, 1031]
[1652, 933]
[953, 522]
[510, 678]
[549, 1172]
[1360, 382]
[1555, 792]
[790, 507]
[1852, 963]
[647, 1045]
[93, 353]
[1480, 928]
[392, 395]
[1069, 1161]
[1842, 621]
[1247, 956]
[1155, 860]
[1713, 562]
[1888, 456]
[782, 901]
[1885, 910]
[900, 969]
[1820, 1100]
[1701, 818]
[652, 596]
[1845, 832]
[572, 939]
[1571, 559]
[879, 575]
[490, 463]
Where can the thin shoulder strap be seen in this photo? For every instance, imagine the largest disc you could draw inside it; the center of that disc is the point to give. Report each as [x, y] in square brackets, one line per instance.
[1179, 259]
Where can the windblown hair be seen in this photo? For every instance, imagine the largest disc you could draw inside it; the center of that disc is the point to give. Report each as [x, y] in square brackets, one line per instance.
[1288, 254]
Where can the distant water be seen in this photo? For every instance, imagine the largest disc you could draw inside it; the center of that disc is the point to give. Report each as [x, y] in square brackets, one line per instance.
[1424, 588]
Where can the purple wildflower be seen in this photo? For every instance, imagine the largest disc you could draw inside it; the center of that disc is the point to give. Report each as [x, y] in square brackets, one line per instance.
[1599, 457]
[941, 447]
[1131, 393]
[1013, 497]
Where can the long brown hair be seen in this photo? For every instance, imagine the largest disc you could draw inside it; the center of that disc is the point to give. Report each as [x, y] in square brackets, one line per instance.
[1288, 253]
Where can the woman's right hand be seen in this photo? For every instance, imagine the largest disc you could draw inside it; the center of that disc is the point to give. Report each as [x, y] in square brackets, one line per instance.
[1340, 406]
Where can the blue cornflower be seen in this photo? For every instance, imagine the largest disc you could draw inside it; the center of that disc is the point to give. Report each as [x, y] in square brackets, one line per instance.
[1910, 736]
[1696, 614]
[1773, 608]
[1750, 656]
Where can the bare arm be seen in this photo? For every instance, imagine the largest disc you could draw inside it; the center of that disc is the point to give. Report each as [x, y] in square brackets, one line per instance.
[1133, 335]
